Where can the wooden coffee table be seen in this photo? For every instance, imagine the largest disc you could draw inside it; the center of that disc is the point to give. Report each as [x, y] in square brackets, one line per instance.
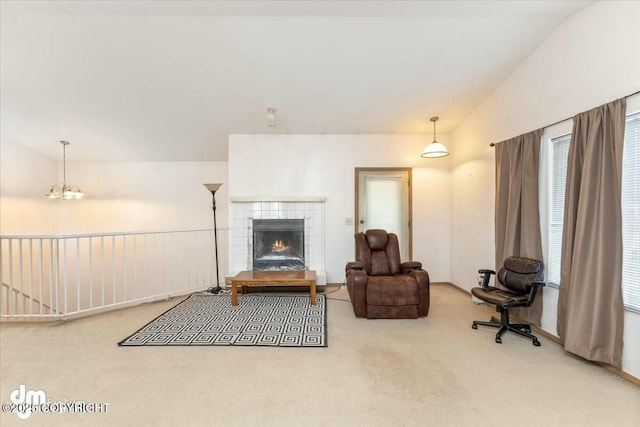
[274, 278]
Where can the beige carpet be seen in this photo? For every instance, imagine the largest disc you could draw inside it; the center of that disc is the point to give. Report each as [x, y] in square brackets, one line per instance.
[435, 371]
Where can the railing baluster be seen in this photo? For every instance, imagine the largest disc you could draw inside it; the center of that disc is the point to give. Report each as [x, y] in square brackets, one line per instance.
[166, 284]
[199, 247]
[144, 260]
[135, 266]
[165, 255]
[10, 296]
[198, 256]
[64, 273]
[51, 275]
[78, 306]
[177, 244]
[192, 242]
[154, 268]
[102, 268]
[180, 253]
[30, 277]
[190, 275]
[90, 272]
[176, 277]
[162, 269]
[57, 276]
[40, 273]
[113, 268]
[21, 277]
[203, 265]
[124, 266]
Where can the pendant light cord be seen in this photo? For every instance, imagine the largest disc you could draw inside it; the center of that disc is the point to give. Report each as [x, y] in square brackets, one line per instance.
[64, 164]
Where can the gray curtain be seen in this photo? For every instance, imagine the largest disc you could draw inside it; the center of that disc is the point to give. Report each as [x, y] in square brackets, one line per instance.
[517, 220]
[590, 306]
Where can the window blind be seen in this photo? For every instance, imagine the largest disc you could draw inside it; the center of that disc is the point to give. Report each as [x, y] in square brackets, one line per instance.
[558, 179]
[631, 214]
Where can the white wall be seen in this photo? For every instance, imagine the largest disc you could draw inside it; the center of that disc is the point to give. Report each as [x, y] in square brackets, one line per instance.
[120, 196]
[25, 179]
[143, 196]
[592, 58]
[323, 166]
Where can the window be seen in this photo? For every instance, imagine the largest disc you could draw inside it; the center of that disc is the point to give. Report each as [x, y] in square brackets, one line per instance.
[631, 214]
[559, 153]
[557, 175]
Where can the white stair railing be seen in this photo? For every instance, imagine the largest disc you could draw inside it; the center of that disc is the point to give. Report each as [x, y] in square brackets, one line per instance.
[60, 277]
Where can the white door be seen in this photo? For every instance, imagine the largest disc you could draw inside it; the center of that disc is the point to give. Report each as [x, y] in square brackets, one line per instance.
[384, 201]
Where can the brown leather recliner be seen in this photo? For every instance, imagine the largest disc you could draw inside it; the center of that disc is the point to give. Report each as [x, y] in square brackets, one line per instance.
[380, 287]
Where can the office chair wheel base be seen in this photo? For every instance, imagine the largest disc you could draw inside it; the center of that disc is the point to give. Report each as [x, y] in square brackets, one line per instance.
[536, 343]
[498, 340]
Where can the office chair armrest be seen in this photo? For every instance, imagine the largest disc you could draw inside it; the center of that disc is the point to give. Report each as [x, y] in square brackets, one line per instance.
[486, 277]
[534, 289]
[537, 284]
[411, 265]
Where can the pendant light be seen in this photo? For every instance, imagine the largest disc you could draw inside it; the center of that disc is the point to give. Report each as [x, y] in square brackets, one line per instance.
[66, 192]
[435, 149]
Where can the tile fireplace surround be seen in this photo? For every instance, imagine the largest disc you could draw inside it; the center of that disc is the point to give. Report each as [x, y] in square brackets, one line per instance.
[244, 210]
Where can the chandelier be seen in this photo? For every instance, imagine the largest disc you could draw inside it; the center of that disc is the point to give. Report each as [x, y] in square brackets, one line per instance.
[66, 191]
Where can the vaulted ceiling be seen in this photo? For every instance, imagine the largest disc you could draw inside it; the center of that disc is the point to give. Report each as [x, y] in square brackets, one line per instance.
[170, 80]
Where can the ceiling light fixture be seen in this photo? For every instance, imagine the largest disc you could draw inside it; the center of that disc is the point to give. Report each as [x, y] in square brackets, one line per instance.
[271, 117]
[435, 149]
[66, 192]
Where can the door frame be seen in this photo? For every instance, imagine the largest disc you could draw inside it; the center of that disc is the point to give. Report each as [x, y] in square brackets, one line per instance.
[410, 213]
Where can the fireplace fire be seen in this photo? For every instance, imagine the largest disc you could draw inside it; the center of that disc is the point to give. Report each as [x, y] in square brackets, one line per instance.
[278, 244]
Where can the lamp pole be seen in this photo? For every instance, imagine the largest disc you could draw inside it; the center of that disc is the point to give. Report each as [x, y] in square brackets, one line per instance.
[213, 188]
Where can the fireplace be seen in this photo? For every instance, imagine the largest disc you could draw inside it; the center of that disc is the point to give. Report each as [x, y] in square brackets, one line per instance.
[278, 244]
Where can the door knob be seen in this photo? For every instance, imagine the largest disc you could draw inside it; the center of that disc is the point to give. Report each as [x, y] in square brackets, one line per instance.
[362, 221]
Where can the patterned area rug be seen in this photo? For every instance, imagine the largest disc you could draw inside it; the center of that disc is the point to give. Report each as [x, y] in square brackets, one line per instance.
[263, 320]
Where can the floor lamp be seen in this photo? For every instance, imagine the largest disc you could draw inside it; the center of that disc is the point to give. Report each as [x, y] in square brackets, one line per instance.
[213, 188]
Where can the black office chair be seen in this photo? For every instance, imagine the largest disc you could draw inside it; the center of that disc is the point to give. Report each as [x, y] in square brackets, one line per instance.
[521, 278]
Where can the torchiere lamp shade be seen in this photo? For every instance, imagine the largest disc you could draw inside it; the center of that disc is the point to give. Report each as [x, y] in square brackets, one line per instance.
[213, 187]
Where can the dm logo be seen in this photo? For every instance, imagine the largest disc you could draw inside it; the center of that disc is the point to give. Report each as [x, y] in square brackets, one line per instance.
[25, 400]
